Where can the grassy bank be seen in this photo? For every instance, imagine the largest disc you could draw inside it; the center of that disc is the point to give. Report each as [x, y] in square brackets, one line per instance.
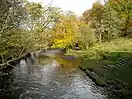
[109, 64]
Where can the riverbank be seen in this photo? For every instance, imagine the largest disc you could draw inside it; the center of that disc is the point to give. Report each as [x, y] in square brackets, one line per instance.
[109, 64]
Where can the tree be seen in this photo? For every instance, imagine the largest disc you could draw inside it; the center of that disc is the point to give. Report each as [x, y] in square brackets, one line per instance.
[88, 36]
[111, 24]
[87, 16]
[124, 10]
[12, 15]
[65, 30]
[111, 20]
[41, 22]
[93, 18]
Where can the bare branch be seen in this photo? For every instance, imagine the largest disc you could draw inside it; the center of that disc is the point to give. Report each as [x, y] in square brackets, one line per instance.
[15, 59]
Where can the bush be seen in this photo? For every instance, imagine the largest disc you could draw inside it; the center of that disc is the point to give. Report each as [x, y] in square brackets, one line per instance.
[88, 37]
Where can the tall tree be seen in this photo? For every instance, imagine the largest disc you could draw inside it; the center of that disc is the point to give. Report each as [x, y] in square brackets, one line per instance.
[93, 17]
[12, 14]
[124, 10]
[65, 30]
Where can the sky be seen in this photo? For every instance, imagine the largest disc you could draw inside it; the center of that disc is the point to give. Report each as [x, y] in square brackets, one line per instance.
[77, 6]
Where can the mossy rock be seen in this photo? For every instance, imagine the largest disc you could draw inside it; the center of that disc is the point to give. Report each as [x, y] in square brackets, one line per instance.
[83, 69]
[91, 69]
[96, 78]
[123, 93]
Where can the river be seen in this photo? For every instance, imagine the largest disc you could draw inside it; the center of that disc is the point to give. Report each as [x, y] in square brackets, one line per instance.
[50, 78]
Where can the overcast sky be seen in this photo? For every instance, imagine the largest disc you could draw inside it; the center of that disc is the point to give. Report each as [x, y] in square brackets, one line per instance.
[77, 6]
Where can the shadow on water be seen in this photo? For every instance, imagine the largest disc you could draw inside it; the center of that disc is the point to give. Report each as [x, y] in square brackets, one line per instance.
[53, 78]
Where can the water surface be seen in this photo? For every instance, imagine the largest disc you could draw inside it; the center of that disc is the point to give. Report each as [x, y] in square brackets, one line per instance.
[57, 78]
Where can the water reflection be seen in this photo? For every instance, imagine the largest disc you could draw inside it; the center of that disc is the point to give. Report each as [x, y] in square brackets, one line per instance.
[54, 78]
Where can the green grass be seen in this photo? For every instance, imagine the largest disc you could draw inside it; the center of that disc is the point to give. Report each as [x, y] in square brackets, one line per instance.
[109, 53]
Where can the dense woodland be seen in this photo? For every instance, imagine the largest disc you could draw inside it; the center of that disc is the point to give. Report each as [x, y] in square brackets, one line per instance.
[27, 26]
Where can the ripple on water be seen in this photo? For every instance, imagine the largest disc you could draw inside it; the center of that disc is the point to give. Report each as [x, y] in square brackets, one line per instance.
[51, 82]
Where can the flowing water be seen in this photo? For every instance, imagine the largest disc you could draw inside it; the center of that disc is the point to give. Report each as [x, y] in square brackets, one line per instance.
[50, 78]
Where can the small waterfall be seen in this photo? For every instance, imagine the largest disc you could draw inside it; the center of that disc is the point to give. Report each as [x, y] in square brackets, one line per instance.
[23, 67]
[32, 58]
[22, 62]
